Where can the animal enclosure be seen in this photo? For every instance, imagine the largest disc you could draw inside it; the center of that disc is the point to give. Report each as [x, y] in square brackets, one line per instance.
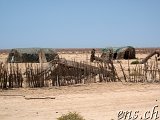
[70, 72]
[57, 73]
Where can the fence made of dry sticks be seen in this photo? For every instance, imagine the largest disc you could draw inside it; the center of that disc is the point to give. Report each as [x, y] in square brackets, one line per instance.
[66, 72]
[59, 73]
[147, 72]
[10, 76]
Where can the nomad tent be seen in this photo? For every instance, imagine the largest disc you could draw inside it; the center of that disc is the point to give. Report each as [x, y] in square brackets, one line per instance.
[127, 52]
[31, 55]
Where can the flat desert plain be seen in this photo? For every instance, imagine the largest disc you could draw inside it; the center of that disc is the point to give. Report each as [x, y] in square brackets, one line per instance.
[94, 101]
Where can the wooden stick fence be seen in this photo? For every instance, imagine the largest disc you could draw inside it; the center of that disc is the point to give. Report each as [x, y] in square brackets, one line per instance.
[64, 72]
[148, 72]
[10, 76]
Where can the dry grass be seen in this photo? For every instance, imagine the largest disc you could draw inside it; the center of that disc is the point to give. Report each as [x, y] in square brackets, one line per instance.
[71, 116]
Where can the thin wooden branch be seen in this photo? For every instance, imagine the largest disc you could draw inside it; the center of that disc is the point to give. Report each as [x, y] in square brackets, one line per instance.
[149, 56]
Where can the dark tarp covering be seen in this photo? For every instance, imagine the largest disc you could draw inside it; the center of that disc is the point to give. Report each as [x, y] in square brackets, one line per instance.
[127, 52]
[31, 55]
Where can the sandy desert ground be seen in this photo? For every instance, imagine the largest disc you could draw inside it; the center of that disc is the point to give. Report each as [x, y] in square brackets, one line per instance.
[96, 101]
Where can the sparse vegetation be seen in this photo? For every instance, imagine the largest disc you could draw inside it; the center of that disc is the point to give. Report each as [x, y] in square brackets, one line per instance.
[135, 62]
[71, 116]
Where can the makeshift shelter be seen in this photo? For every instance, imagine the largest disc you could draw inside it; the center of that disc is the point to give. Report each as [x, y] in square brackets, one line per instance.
[127, 52]
[31, 55]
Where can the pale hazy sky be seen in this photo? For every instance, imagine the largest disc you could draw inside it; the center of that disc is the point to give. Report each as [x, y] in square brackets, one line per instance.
[79, 23]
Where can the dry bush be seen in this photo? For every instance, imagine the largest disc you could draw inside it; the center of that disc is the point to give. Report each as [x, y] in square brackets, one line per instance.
[135, 62]
[71, 116]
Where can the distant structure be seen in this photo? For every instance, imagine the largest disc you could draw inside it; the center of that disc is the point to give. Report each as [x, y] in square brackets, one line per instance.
[31, 55]
[127, 52]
